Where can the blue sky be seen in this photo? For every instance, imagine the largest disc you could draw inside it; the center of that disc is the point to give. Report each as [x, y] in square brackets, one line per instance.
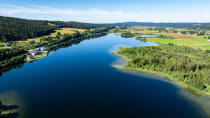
[109, 11]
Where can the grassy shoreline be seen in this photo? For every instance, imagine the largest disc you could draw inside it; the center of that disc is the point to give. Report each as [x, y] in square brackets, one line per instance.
[207, 94]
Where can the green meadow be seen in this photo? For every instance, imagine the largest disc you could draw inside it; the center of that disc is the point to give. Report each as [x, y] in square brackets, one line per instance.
[195, 43]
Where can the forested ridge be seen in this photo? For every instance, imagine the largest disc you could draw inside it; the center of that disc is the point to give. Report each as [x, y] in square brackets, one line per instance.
[185, 63]
[78, 25]
[20, 29]
[174, 25]
[13, 29]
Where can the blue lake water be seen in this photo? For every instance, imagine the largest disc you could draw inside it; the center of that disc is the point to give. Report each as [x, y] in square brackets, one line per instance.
[148, 35]
[82, 81]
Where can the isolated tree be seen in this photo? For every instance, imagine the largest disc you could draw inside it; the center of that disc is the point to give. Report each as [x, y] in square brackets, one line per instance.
[58, 33]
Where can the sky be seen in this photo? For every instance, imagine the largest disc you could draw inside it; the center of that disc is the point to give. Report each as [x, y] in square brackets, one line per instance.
[108, 11]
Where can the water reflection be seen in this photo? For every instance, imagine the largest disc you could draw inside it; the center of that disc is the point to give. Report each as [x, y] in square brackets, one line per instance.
[190, 91]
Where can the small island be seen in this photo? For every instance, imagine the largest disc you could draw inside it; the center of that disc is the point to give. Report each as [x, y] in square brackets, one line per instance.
[127, 35]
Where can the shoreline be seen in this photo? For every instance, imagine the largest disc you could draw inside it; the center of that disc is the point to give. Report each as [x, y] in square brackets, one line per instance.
[166, 76]
[192, 94]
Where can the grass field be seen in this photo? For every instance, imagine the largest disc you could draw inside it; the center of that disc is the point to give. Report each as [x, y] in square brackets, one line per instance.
[200, 42]
[178, 36]
[50, 24]
[62, 31]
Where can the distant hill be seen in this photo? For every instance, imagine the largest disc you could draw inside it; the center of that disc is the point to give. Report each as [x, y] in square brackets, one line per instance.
[78, 25]
[21, 29]
[175, 25]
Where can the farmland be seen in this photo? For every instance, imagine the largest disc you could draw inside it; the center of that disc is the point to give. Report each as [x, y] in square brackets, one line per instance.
[191, 40]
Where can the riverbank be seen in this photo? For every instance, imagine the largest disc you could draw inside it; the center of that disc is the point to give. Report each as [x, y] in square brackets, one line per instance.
[20, 55]
[167, 76]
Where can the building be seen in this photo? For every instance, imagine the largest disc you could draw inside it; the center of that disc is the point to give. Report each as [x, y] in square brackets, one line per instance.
[29, 57]
[37, 49]
[42, 48]
[33, 52]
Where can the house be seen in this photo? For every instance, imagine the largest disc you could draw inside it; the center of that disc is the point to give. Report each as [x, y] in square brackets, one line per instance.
[17, 41]
[33, 52]
[42, 48]
[6, 43]
[207, 33]
[29, 57]
[36, 43]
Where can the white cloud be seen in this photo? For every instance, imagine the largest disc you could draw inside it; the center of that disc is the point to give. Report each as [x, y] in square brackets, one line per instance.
[100, 16]
[10, 13]
[31, 9]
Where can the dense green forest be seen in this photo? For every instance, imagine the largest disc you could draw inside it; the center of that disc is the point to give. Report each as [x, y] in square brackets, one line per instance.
[185, 63]
[78, 25]
[13, 29]
[20, 29]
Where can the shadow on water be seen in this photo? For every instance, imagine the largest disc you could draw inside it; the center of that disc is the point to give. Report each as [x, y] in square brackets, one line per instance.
[12, 115]
[12, 107]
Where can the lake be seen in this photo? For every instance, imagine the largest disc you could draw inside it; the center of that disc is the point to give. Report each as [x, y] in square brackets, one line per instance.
[83, 81]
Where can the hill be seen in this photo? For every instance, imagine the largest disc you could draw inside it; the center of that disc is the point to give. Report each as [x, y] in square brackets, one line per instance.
[13, 29]
[174, 25]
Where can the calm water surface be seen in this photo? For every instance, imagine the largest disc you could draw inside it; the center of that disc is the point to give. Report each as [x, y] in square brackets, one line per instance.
[148, 35]
[82, 81]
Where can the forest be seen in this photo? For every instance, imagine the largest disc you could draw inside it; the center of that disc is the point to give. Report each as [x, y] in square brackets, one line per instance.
[20, 29]
[78, 25]
[13, 29]
[187, 64]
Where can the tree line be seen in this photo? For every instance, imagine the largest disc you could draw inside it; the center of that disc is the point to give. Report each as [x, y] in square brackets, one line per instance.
[78, 25]
[185, 63]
